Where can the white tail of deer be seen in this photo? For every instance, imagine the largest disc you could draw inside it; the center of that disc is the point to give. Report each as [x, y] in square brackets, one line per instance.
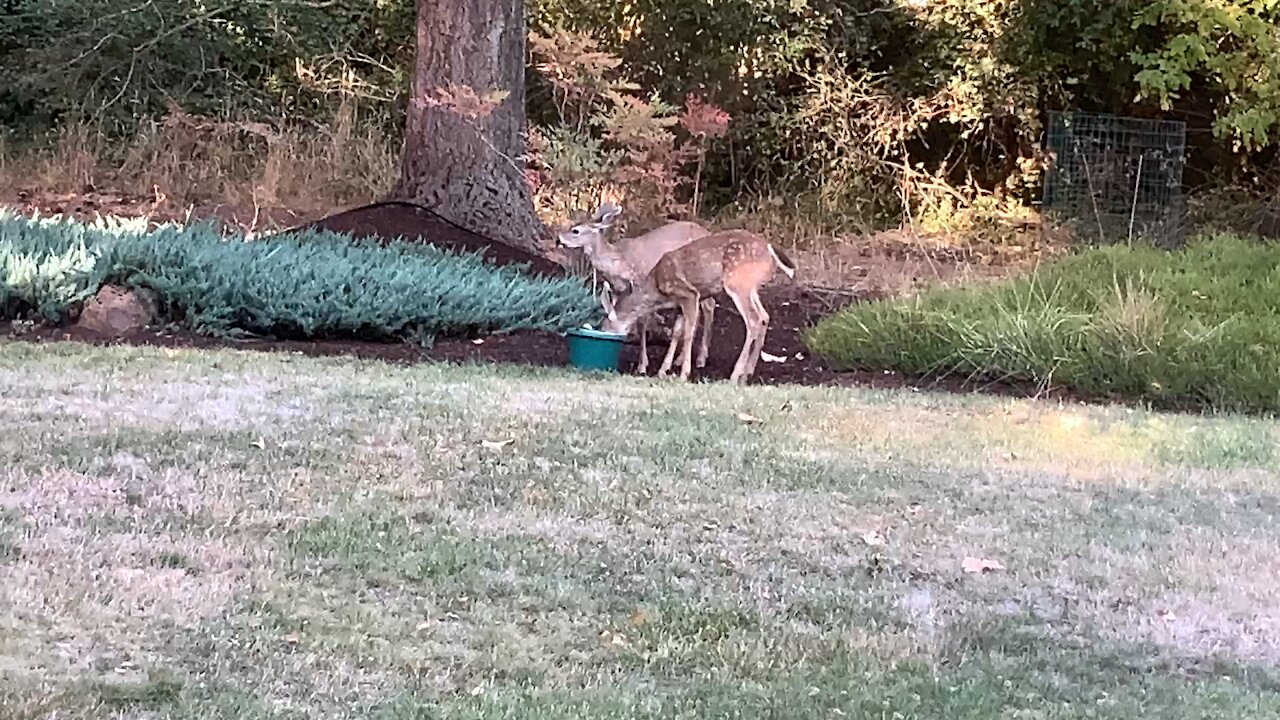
[628, 261]
[734, 261]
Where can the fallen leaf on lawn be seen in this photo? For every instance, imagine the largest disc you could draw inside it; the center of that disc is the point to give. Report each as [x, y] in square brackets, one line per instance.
[749, 419]
[980, 565]
[639, 617]
[292, 638]
[771, 358]
[478, 341]
[259, 443]
[873, 538]
[495, 444]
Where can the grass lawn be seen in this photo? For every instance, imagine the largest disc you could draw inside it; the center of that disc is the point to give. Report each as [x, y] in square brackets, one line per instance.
[221, 535]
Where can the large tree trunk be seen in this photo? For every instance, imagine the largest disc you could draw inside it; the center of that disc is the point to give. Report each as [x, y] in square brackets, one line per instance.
[468, 169]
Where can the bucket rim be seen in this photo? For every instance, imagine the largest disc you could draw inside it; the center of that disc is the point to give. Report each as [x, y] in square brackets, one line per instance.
[596, 334]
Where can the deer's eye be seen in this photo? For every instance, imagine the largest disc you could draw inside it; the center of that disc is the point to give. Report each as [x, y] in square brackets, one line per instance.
[576, 231]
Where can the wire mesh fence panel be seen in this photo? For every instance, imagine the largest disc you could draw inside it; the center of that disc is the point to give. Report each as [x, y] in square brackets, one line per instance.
[1116, 179]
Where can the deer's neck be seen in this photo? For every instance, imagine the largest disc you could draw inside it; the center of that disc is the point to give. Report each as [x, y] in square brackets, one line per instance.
[611, 263]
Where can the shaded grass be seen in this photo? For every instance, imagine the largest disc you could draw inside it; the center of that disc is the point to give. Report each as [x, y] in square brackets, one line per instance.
[1225, 445]
[380, 548]
[155, 691]
[1197, 328]
[373, 553]
[985, 689]
[10, 532]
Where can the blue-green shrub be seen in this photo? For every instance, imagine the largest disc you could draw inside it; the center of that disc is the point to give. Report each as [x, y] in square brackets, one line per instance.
[311, 284]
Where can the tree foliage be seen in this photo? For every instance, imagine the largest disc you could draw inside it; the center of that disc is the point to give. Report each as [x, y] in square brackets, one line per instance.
[861, 105]
[602, 139]
[116, 60]
[871, 102]
[1230, 50]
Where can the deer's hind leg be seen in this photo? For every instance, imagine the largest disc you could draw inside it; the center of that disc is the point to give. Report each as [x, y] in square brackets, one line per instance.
[677, 331]
[689, 308]
[754, 334]
[762, 319]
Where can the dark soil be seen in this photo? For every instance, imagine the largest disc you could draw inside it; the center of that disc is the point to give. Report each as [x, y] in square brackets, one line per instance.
[388, 221]
[792, 309]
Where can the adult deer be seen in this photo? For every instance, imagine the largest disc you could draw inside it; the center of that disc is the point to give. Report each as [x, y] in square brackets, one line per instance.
[734, 261]
[627, 262]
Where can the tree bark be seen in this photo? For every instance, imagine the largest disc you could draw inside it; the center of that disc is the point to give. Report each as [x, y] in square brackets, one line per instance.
[469, 170]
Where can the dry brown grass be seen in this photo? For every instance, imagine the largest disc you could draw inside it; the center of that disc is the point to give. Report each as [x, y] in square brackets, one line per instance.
[838, 252]
[247, 174]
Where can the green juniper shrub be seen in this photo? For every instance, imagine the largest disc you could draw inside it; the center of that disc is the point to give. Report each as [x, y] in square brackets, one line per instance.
[311, 285]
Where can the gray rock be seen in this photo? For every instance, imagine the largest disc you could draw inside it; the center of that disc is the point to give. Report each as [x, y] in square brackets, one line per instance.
[118, 311]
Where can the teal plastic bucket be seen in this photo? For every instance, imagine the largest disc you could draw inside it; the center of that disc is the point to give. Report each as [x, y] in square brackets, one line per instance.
[594, 349]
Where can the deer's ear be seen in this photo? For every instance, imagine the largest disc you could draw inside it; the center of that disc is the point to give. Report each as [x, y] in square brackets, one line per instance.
[606, 214]
[606, 302]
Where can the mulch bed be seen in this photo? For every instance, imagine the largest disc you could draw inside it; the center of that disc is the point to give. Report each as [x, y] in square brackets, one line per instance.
[387, 221]
[543, 349]
[792, 308]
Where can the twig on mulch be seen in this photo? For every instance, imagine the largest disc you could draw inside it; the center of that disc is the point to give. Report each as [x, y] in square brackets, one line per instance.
[832, 298]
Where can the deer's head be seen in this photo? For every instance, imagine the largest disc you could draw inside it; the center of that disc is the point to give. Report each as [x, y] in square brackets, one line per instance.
[629, 307]
[590, 234]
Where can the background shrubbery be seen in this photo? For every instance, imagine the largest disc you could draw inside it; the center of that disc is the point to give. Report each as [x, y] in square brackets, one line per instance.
[305, 285]
[866, 109]
[1195, 328]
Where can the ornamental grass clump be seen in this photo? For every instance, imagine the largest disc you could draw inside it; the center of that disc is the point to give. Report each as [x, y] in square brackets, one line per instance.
[1198, 328]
